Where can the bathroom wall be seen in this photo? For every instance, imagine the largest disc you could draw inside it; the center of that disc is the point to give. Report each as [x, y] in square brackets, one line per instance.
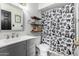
[44, 5]
[78, 19]
[59, 29]
[29, 10]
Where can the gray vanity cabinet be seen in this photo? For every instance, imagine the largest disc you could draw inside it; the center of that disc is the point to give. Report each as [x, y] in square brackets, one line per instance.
[18, 49]
[30, 47]
[4, 51]
[24, 48]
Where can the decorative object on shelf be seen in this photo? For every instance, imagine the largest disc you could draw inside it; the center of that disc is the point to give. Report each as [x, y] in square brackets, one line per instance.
[17, 19]
[37, 27]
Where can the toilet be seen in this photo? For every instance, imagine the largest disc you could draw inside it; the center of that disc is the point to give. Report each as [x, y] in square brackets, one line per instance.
[42, 49]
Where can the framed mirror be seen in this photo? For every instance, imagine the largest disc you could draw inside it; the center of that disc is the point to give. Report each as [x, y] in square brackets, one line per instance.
[17, 19]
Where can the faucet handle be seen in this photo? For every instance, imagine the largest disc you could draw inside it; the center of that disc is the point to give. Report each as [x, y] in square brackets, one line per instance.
[8, 37]
[17, 35]
[13, 34]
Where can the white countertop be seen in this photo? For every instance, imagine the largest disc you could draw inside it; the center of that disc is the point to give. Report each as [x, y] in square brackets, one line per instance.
[6, 42]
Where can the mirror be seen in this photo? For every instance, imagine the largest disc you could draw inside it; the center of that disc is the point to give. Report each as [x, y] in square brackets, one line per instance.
[5, 20]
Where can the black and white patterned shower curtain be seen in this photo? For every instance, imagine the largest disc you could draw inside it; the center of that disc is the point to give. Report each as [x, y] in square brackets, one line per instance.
[59, 29]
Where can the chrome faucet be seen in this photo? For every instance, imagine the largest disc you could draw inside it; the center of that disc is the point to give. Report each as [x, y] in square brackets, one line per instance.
[17, 35]
[13, 35]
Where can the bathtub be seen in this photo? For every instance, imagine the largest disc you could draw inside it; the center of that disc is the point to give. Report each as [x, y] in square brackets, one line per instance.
[44, 50]
[53, 53]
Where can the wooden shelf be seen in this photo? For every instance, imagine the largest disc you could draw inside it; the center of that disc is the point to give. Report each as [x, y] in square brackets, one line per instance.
[36, 18]
[37, 27]
[36, 31]
[36, 24]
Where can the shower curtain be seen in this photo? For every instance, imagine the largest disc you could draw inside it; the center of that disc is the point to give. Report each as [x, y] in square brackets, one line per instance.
[59, 29]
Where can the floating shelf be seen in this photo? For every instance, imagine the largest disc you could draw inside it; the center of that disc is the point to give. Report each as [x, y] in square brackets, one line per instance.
[36, 24]
[36, 31]
[37, 27]
[36, 18]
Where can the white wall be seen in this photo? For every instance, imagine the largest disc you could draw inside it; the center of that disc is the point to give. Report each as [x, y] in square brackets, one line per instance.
[47, 6]
[31, 9]
[44, 5]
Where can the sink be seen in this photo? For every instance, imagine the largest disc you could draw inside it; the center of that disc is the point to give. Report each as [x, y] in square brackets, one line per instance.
[6, 42]
[11, 39]
[2, 41]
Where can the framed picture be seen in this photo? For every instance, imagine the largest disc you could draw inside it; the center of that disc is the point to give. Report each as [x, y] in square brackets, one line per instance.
[17, 19]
